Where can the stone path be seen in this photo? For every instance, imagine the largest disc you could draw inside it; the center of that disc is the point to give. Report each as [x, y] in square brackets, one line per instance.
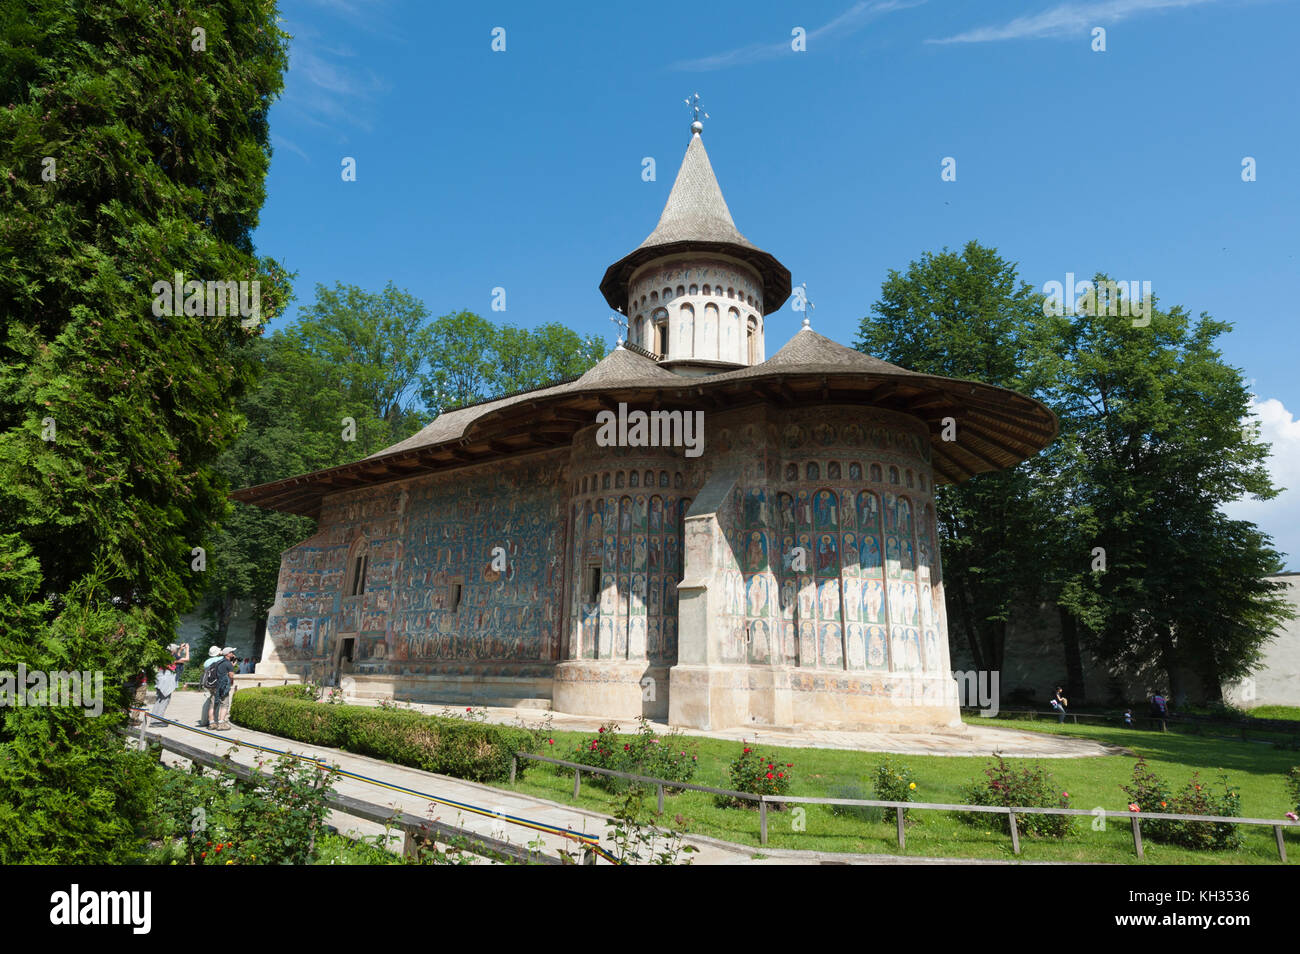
[185, 708]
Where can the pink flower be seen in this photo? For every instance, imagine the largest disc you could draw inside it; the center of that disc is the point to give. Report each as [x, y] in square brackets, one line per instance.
[1133, 806]
[1293, 816]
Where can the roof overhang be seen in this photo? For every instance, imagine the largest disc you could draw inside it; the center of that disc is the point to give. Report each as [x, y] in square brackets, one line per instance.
[774, 276]
[995, 428]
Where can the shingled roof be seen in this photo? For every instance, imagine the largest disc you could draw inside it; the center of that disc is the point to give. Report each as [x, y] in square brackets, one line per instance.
[696, 218]
[995, 428]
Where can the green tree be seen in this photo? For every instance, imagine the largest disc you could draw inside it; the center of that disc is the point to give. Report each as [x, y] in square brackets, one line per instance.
[968, 315]
[126, 155]
[1157, 447]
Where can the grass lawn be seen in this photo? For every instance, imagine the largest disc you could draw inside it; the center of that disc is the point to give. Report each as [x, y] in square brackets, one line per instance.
[1276, 712]
[1256, 769]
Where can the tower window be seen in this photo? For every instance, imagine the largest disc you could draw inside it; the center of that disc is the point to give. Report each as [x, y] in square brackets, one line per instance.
[591, 585]
[456, 589]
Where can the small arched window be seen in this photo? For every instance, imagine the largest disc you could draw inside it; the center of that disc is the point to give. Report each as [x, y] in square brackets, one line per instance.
[706, 289]
[668, 293]
[695, 290]
[681, 290]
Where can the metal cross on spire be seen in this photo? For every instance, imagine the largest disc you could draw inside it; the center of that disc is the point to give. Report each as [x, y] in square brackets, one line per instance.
[693, 103]
[808, 305]
[622, 326]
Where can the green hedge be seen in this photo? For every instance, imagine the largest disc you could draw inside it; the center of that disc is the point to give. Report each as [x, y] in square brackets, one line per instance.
[477, 751]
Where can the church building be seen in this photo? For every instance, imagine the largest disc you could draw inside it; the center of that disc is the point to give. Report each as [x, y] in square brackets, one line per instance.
[691, 530]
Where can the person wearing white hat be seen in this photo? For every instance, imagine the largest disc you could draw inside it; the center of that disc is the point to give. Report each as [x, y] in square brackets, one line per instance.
[221, 698]
[214, 657]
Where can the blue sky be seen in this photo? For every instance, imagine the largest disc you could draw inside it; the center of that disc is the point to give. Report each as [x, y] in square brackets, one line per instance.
[523, 168]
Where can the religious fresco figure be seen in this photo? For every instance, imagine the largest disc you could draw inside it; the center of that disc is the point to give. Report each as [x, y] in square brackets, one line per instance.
[758, 596]
[870, 554]
[803, 510]
[852, 599]
[826, 509]
[785, 510]
[655, 559]
[656, 514]
[833, 470]
[874, 601]
[832, 653]
[913, 649]
[891, 554]
[827, 557]
[638, 552]
[791, 472]
[807, 599]
[868, 511]
[897, 649]
[807, 643]
[857, 650]
[931, 650]
[855, 469]
[851, 555]
[904, 516]
[756, 551]
[754, 506]
[788, 598]
[812, 471]
[829, 599]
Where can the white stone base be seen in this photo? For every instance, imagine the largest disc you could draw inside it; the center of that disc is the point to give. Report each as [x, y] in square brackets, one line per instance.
[721, 697]
[610, 688]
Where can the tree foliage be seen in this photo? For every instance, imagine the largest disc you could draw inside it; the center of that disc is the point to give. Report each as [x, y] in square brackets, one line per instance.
[126, 155]
[1151, 447]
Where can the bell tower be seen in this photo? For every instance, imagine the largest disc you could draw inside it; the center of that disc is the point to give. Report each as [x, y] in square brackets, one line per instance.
[696, 292]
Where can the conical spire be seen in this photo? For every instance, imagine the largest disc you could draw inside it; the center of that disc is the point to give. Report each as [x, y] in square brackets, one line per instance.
[695, 210]
[696, 219]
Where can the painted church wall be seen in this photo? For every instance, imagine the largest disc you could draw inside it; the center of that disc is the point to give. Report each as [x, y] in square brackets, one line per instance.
[425, 540]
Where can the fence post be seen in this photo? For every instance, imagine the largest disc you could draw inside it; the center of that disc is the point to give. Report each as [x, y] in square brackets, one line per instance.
[577, 781]
[1281, 845]
[1137, 836]
[902, 836]
[514, 767]
[1015, 834]
[762, 820]
[661, 799]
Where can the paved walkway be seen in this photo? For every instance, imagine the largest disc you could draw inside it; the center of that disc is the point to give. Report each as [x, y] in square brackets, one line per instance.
[185, 709]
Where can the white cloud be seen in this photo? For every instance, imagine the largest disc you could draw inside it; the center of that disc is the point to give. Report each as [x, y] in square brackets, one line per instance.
[1279, 517]
[847, 22]
[1067, 19]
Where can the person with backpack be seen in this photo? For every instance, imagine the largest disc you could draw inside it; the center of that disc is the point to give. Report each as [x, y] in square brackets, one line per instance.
[223, 671]
[208, 683]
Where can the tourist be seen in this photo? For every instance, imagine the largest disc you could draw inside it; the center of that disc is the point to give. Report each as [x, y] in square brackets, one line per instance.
[1128, 718]
[225, 668]
[1059, 703]
[180, 663]
[214, 657]
[137, 686]
[165, 682]
[1159, 707]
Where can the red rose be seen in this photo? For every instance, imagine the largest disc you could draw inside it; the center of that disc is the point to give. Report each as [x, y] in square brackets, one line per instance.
[780, 775]
[769, 774]
[602, 728]
[626, 747]
[746, 752]
[550, 741]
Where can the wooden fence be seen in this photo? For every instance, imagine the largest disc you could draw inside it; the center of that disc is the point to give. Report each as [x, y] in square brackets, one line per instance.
[1135, 818]
[414, 828]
